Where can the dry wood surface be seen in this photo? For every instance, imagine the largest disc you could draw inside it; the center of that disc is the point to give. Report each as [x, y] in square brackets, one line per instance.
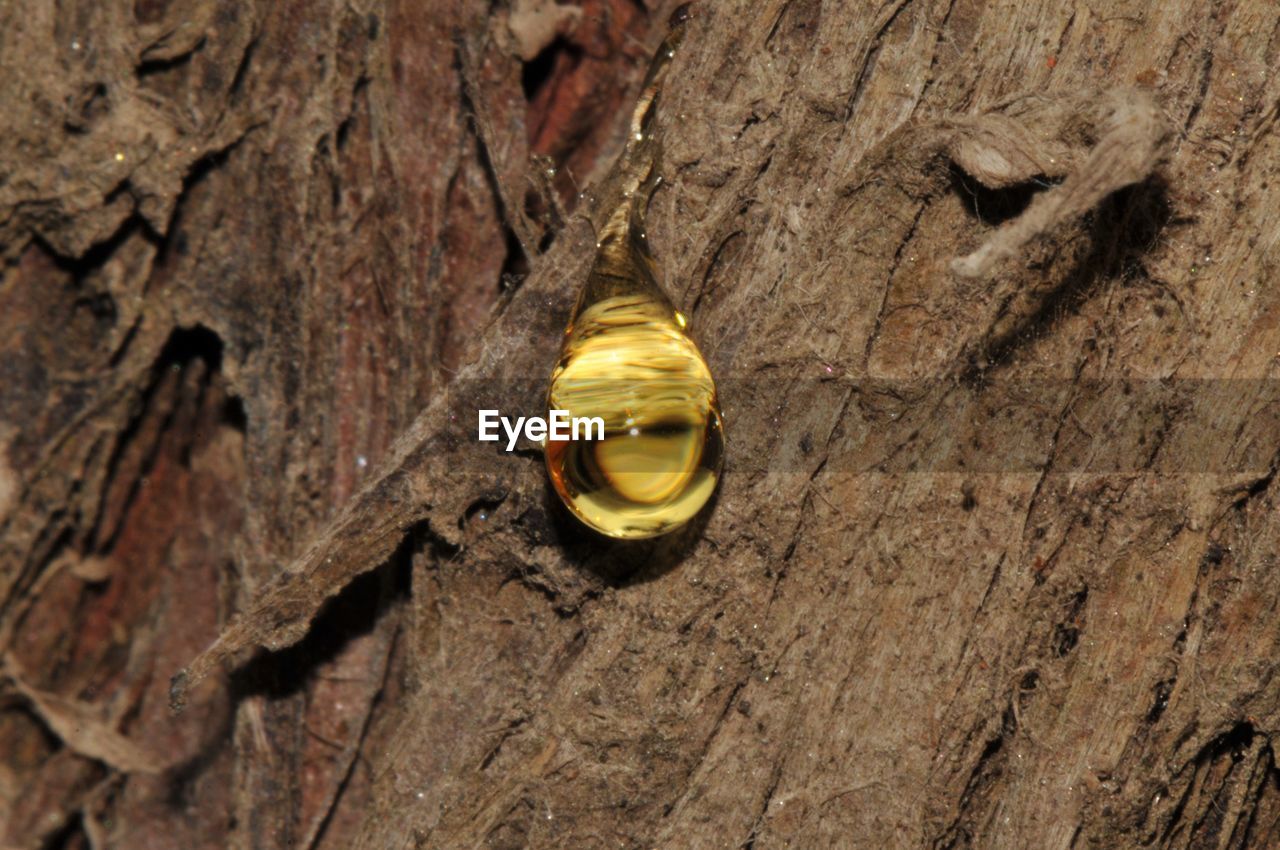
[989, 292]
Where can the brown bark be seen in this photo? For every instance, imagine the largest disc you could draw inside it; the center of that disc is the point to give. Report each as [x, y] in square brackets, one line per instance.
[988, 293]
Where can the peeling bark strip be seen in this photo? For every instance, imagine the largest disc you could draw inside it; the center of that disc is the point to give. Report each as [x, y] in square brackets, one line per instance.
[79, 727]
[266, 261]
[1132, 138]
[365, 535]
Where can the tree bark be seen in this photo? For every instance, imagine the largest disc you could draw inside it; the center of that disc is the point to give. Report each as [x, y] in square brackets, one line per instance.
[987, 292]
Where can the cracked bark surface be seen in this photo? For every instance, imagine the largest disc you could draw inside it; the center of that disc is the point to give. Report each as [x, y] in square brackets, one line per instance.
[993, 562]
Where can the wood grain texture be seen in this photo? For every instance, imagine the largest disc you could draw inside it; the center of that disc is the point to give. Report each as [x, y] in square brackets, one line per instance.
[993, 563]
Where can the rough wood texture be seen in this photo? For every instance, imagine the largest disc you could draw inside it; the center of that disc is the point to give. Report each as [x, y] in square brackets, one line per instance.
[987, 291]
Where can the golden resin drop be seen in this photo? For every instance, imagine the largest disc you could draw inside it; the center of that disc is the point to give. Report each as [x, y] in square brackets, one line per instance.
[628, 360]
